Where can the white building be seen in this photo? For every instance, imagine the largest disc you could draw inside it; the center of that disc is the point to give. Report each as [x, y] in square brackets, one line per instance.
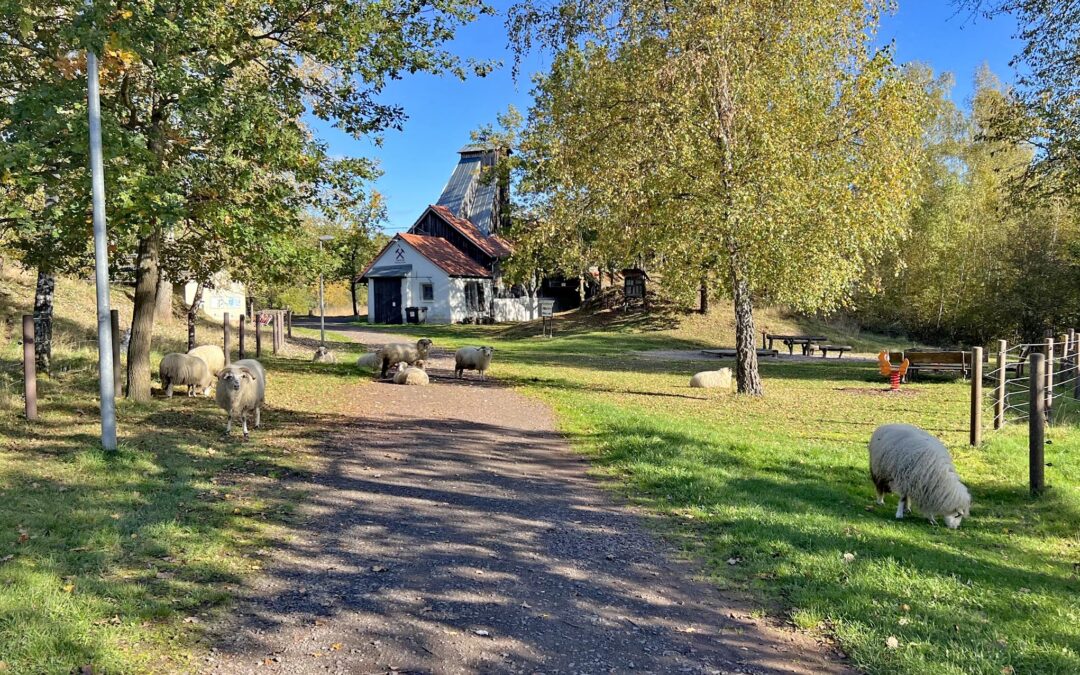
[445, 269]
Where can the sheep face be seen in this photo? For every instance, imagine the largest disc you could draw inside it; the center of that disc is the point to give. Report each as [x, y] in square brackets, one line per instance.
[423, 345]
[234, 378]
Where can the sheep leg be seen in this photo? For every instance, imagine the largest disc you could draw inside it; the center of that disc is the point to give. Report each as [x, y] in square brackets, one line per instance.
[900, 507]
[243, 418]
[258, 416]
[228, 425]
[168, 388]
[385, 366]
[191, 391]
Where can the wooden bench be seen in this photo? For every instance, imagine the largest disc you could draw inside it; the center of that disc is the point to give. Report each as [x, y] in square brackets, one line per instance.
[838, 349]
[941, 362]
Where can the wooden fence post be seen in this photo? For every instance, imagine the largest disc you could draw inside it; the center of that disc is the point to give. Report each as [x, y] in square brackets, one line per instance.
[114, 320]
[29, 367]
[242, 331]
[275, 329]
[258, 335]
[1049, 376]
[999, 395]
[288, 322]
[1036, 423]
[226, 329]
[1076, 362]
[976, 395]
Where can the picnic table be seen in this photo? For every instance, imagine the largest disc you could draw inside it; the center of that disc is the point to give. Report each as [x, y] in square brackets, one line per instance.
[808, 343]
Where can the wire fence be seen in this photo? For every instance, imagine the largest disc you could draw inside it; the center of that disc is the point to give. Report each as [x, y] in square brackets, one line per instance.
[1007, 384]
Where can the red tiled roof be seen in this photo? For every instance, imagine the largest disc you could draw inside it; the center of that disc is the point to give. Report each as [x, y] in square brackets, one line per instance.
[442, 253]
[493, 245]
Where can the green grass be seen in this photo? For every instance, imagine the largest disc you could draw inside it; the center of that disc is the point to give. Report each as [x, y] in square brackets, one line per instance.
[121, 561]
[780, 486]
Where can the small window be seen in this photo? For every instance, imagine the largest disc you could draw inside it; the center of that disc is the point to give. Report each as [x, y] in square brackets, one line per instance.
[427, 292]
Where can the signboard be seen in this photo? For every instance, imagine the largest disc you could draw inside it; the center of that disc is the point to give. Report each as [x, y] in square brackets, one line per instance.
[547, 309]
[225, 297]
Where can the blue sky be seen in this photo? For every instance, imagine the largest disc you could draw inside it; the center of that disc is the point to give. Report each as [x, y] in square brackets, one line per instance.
[443, 111]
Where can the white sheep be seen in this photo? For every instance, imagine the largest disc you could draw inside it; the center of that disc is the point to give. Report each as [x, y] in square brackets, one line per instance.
[414, 374]
[212, 356]
[324, 355]
[177, 369]
[473, 358]
[398, 352]
[910, 462]
[241, 390]
[712, 379]
[368, 361]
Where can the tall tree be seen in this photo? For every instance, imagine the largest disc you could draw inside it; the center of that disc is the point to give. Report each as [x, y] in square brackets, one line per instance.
[766, 140]
[194, 90]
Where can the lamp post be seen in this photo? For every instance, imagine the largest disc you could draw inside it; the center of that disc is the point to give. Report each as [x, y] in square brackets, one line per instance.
[322, 304]
[106, 384]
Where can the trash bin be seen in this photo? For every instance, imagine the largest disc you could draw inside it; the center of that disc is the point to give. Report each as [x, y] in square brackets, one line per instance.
[412, 315]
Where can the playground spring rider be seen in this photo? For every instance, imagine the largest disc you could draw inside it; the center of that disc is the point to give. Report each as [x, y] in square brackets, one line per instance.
[894, 374]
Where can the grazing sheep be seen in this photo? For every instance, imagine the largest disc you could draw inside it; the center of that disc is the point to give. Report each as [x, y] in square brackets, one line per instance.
[414, 374]
[241, 389]
[910, 462]
[177, 369]
[212, 356]
[324, 355]
[473, 358]
[410, 354]
[368, 361]
[712, 379]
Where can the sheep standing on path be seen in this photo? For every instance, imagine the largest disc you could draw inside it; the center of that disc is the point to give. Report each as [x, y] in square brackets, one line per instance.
[395, 353]
[413, 375]
[241, 390]
[473, 358]
[910, 462]
[212, 356]
[176, 369]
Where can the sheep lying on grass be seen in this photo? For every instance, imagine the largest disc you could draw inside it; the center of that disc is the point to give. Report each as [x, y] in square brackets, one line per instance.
[177, 369]
[241, 389]
[410, 354]
[910, 462]
[414, 374]
[368, 361]
[324, 355]
[712, 379]
[212, 356]
[473, 358]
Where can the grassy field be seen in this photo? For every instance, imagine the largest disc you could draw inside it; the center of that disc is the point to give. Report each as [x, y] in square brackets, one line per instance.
[119, 562]
[774, 496]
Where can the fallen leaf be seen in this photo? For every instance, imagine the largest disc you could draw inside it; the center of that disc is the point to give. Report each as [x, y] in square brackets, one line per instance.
[191, 619]
[378, 568]
[336, 646]
[892, 643]
[1007, 670]
[849, 557]
[482, 633]
[734, 561]
[905, 608]
[69, 588]
[904, 621]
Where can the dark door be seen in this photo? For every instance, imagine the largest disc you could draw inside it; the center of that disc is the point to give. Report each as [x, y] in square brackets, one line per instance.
[386, 294]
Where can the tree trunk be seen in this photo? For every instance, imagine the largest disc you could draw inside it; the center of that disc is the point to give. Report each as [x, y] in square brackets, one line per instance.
[352, 287]
[142, 317]
[192, 315]
[43, 320]
[163, 309]
[703, 307]
[746, 362]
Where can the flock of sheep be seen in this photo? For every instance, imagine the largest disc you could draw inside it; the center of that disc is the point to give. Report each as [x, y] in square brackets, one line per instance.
[903, 459]
[241, 385]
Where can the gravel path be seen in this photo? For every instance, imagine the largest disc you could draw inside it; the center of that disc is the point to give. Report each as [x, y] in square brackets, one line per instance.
[451, 530]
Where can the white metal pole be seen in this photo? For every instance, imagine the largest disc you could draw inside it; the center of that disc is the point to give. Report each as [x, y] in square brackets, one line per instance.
[101, 261]
[322, 308]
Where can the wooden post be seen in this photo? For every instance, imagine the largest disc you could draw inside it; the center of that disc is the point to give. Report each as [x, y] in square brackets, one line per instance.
[1049, 376]
[258, 335]
[114, 319]
[999, 394]
[275, 329]
[1036, 423]
[226, 329]
[242, 331]
[1076, 362]
[288, 321]
[976, 395]
[29, 367]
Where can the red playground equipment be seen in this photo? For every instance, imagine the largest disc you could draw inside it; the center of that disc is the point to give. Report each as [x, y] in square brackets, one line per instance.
[894, 374]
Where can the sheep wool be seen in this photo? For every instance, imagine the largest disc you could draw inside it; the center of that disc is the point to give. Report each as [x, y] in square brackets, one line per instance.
[712, 379]
[368, 361]
[212, 356]
[915, 465]
[473, 358]
[177, 369]
[410, 354]
[241, 390]
[413, 375]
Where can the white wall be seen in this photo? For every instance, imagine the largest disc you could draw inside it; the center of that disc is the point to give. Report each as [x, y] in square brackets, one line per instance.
[509, 310]
[458, 309]
[423, 271]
